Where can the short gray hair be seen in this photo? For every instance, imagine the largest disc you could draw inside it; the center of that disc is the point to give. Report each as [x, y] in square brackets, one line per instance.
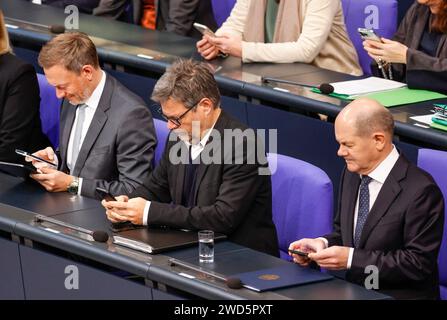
[378, 120]
[187, 81]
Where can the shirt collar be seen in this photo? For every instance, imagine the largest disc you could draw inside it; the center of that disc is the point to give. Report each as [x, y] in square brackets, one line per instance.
[93, 100]
[382, 171]
[205, 138]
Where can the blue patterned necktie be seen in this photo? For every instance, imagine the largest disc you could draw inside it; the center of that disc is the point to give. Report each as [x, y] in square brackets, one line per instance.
[363, 209]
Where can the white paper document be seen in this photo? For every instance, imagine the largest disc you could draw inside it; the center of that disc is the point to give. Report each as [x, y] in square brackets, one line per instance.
[365, 86]
[424, 119]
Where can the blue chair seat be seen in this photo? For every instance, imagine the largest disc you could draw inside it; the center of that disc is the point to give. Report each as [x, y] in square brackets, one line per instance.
[434, 162]
[49, 110]
[302, 200]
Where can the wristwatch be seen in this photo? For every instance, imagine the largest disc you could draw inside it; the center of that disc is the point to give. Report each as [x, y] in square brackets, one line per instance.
[73, 186]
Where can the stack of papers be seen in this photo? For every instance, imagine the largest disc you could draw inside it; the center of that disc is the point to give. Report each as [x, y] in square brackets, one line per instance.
[389, 93]
[438, 120]
[365, 86]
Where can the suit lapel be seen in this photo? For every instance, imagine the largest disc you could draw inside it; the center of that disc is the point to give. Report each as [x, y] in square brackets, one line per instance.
[98, 122]
[441, 45]
[388, 193]
[67, 118]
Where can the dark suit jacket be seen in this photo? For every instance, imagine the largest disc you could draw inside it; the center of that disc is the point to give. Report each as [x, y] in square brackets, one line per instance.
[421, 71]
[229, 198]
[20, 125]
[85, 6]
[178, 16]
[175, 16]
[119, 146]
[402, 233]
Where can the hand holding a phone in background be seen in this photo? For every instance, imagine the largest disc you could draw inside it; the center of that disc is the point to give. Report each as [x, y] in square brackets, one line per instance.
[212, 45]
[383, 49]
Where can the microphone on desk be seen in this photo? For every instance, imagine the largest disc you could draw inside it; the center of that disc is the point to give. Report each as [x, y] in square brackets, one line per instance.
[54, 28]
[325, 88]
[231, 282]
[97, 235]
[234, 283]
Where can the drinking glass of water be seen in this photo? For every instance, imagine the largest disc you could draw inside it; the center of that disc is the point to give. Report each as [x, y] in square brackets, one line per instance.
[206, 246]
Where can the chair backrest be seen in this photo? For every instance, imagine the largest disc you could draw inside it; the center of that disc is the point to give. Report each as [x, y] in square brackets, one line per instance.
[435, 163]
[302, 200]
[222, 9]
[49, 110]
[380, 15]
[162, 132]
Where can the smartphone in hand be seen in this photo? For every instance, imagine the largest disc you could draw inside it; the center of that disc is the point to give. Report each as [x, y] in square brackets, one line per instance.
[298, 252]
[368, 34]
[204, 30]
[27, 154]
[104, 194]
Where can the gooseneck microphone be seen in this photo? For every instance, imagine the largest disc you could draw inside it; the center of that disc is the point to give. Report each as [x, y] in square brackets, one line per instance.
[232, 282]
[97, 235]
[325, 88]
[54, 28]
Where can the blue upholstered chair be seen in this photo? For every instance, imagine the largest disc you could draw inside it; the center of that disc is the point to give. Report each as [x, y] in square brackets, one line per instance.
[435, 163]
[162, 132]
[49, 110]
[365, 14]
[302, 200]
[222, 9]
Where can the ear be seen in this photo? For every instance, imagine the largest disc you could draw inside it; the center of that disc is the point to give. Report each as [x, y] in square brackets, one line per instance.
[87, 72]
[207, 106]
[379, 140]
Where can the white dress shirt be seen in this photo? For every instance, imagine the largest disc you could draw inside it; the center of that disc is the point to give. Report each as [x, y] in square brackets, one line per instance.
[196, 150]
[92, 104]
[378, 176]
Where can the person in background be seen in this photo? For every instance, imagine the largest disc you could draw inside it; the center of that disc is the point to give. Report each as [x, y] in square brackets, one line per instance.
[175, 16]
[85, 6]
[417, 54]
[308, 31]
[20, 124]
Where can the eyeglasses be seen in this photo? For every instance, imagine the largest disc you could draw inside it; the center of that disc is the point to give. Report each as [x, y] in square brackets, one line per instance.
[175, 120]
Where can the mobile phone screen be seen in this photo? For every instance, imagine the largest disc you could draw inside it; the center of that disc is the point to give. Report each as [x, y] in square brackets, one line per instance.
[104, 194]
[27, 154]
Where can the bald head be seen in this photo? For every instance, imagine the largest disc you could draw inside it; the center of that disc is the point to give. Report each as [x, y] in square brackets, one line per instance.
[368, 116]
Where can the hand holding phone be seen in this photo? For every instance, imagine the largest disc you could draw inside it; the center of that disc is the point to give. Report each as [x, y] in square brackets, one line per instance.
[34, 157]
[369, 34]
[204, 30]
[298, 252]
[104, 194]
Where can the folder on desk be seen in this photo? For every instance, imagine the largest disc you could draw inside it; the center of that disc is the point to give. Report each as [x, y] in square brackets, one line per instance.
[156, 240]
[283, 276]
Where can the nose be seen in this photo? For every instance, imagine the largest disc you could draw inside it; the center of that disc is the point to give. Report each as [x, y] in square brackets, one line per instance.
[60, 94]
[170, 125]
[341, 152]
